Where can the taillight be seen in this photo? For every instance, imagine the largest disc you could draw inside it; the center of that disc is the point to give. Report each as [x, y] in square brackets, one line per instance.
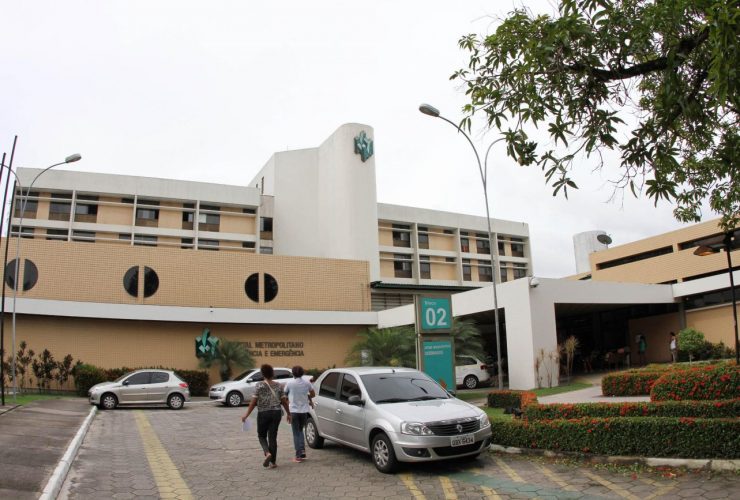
[483, 367]
[183, 385]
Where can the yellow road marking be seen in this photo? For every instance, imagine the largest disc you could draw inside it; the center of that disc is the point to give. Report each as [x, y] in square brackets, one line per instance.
[511, 472]
[448, 488]
[169, 482]
[661, 491]
[616, 489]
[411, 486]
[490, 493]
[555, 479]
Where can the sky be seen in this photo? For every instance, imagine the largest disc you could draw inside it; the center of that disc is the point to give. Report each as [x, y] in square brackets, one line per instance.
[208, 91]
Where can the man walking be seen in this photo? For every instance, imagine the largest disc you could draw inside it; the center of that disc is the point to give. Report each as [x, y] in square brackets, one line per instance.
[674, 348]
[300, 394]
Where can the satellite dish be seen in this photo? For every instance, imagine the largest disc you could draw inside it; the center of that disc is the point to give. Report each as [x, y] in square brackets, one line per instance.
[604, 238]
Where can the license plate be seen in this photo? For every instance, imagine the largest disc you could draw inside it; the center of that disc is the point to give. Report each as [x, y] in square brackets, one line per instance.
[462, 440]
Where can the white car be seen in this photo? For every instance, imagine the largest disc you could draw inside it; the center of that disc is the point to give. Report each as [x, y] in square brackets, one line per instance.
[240, 389]
[470, 372]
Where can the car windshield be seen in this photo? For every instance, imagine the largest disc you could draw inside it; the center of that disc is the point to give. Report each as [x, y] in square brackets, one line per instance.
[243, 374]
[401, 387]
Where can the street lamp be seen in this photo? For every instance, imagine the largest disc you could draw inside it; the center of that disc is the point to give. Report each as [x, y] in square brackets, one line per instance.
[24, 200]
[430, 110]
[728, 242]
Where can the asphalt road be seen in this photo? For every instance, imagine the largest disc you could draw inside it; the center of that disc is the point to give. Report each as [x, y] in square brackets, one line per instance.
[201, 452]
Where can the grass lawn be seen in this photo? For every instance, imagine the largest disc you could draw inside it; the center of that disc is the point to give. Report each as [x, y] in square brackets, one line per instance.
[24, 399]
[496, 413]
[467, 396]
[549, 391]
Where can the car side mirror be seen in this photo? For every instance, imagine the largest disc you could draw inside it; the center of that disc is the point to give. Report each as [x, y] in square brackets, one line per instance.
[355, 401]
[125, 382]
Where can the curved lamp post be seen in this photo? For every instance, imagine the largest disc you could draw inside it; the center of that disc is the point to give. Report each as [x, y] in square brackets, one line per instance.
[430, 110]
[728, 242]
[24, 200]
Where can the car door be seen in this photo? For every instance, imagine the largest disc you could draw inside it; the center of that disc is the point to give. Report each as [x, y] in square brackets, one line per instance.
[159, 387]
[135, 388]
[325, 405]
[250, 384]
[464, 365]
[350, 418]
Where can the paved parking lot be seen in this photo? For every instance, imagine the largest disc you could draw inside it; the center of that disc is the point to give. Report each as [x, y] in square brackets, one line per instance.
[201, 452]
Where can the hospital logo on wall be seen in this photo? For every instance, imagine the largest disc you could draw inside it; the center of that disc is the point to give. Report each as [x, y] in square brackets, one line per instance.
[205, 345]
[364, 146]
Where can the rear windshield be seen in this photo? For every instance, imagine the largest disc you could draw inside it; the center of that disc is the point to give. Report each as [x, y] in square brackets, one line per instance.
[402, 387]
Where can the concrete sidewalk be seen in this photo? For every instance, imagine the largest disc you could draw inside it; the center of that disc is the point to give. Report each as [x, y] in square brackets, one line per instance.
[33, 440]
[589, 395]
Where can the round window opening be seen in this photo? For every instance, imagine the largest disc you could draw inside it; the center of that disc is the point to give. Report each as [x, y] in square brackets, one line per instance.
[251, 287]
[131, 281]
[30, 274]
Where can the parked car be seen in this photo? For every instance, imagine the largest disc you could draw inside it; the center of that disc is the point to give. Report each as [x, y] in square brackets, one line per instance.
[470, 372]
[141, 387]
[239, 390]
[396, 415]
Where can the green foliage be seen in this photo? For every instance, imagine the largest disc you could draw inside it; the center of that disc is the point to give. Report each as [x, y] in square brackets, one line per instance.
[629, 383]
[510, 399]
[718, 381]
[655, 81]
[694, 409]
[468, 341]
[388, 347]
[87, 376]
[43, 370]
[690, 341]
[709, 351]
[229, 354]
[197, 381]
[642, 436]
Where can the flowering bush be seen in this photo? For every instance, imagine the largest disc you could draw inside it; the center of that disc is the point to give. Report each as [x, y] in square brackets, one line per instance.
[719, 381]
[630, 383]
[644, 436]
[694, 409]
[510, 399]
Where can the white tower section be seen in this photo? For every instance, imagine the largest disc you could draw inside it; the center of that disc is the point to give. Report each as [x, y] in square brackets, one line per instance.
[325, 202]
[584, 244]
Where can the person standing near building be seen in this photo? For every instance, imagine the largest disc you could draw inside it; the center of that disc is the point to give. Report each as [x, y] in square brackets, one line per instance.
[674, 348]
[268, 398]
[641, 348]
[300, 396]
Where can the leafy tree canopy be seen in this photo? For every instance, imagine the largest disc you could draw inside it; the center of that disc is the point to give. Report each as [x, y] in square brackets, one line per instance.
[655, 80]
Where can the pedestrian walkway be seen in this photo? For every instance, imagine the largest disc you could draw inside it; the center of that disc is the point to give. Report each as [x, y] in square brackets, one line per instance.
[33, 439]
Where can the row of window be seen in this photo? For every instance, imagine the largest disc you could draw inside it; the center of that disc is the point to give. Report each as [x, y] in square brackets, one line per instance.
[402, 238]
[402, 268]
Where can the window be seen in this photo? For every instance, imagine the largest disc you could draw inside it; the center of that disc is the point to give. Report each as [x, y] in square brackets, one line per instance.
[271, 287]
[425, 267]
[501, 248]
[208, 244]
[124, 237]
[188, 215]
[350, 387]
[266, 250]
[520, 270]
[31, 204]
[151, 282]
[266, 228]
[247, 244]
[249, 211]
[251, 287]
[207, 220]
[517, 247]
[328, 387]
[140, 378]
[402, 235]
[145, 240]
[57, 234]
[160, 377]
[504, 274]
[131, 281]
[30, 274]
[146, 213]
[86, 236]
[283, 374]
[464, 244]
[635, 258]
[482, 244]
[423, 237]
[86, 212]
[60, 206]
[466, 270]
[485, 273]
[449, 259]
[401, 266]
[186, 243]
[448, 231]
[28, 232]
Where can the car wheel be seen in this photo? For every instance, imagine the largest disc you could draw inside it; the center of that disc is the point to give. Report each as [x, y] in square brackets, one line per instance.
[312, 435]
[108, 401]
[470, 382]
[384, 457]
[175, 401]
[234, 398]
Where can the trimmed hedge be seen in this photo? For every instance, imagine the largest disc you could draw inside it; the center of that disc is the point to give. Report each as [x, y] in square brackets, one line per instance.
[630, 383]
[693, 409]
[510, 399]
[643, 436]
[86, 376]
[720, 381]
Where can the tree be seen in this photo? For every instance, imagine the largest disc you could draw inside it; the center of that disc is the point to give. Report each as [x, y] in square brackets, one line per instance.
[690, 341]
[467, 338]
[228, 355]
[668, 67]
[387, 346]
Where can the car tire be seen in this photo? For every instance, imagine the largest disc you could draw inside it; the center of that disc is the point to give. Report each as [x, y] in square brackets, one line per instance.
[312, 435]
[108, 401]
[470, 382]
[234, 398]
[384, 457]
[176, 401]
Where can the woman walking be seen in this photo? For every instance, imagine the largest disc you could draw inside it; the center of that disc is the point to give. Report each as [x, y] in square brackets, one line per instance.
[268, 397]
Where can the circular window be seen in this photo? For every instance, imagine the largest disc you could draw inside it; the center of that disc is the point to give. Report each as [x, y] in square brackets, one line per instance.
[131, 281]
[30, 274]
[251, 287]
[271, 288]
[151, 282]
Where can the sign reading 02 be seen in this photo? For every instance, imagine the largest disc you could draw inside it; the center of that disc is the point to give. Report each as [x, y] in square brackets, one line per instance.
[434, 314]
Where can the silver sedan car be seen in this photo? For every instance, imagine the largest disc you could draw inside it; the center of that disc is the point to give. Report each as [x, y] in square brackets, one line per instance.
[241, 388]
[141, 387]
[395, 414]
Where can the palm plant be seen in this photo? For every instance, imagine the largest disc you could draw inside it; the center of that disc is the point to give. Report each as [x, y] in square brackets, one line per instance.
[388, 347]
[467, 337]
[228, 355]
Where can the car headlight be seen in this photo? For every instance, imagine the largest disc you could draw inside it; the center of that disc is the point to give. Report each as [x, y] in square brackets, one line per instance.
[218, 389]
[484, 421]
[415, 429]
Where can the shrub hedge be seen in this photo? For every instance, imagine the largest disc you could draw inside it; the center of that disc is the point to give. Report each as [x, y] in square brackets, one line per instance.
[693, 409]
[644, 436]
[718, 381]
[510, 399]
[630, 382]
[86, 376]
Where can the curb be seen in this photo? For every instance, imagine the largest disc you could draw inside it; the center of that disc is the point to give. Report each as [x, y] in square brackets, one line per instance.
[689, 463]
[60, 473]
